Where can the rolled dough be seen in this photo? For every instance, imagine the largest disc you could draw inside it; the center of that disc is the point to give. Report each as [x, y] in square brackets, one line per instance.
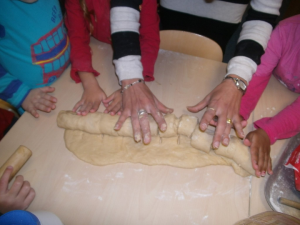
[92, 138]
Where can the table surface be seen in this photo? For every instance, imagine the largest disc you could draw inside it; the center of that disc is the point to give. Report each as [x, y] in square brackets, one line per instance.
[80, 193]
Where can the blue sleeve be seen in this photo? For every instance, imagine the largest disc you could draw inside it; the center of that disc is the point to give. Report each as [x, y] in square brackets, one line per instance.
[12, 90]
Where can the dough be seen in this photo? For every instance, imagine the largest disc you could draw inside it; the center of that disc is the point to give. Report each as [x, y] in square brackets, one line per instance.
[92, 138]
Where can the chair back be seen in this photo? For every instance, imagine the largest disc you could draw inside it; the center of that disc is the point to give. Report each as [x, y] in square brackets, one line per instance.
[5, 105]
[190, 44]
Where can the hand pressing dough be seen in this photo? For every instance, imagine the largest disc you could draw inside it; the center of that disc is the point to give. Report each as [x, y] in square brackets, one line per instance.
[92, 138]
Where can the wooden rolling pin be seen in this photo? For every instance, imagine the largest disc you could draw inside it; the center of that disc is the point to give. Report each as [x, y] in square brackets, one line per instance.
[290, 203]
[16, 160]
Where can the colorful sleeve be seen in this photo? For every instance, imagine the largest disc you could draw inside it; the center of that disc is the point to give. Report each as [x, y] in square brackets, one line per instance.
[254, 37]
[12, 90]
[149, 37]
[124, 18]
[263, 74]
[285, 124]
[78, 32]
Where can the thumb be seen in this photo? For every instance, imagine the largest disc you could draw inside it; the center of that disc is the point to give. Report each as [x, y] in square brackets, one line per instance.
[108, 99]
[247, 142]
[198, 107]
[48, 89]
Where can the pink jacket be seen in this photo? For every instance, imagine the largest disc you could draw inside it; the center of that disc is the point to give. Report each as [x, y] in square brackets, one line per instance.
[282, 58]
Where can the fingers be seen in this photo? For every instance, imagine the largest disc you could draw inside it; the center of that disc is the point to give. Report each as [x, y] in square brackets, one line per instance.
[207, 118]
[201, 105]
[17, 185]
[76, 107]
[160, 120]
[270, 171]
[254, 157]
[85, 108]
[219, 132]
[29, 198]
[244, 123]
[162, 108]
[136, 127]
[48, 89]
[238, 126]
[108, 100]
[95, 107]
[247, 142]
[33, 112]
[226, 136]
[50, 98]
[114, 108]
[4, 180]
[145, 126]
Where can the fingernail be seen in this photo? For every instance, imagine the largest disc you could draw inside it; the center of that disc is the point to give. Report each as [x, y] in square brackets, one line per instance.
[147, 139]
[226, 141]
[117, 127]
[163, 127]
[216, 145]
[263, 173]
[203, 126]
[242, 134]
[137, 137]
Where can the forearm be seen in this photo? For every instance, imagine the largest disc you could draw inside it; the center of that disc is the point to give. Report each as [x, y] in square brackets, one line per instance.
[125, 25]
[254, 38]
[12, 90]
[254, 90]
[149, 37]
[284, 125]
[78, 33]
[88, 79]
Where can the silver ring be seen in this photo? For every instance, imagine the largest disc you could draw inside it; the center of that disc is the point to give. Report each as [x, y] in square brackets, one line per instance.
[142, 112]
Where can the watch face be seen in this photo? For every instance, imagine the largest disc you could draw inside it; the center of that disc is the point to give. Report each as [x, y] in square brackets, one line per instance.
[242, 85]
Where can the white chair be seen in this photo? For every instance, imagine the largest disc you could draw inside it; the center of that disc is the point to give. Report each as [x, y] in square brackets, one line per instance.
[190, 44]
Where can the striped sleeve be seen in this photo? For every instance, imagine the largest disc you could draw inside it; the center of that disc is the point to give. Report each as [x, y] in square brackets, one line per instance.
[125, 17]
[254, 37]
[12, 90]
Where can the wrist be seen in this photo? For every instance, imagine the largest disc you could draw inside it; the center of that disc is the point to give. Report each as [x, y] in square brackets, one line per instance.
[125, 86]
[128, 81]
[239, 84]
[236, 76]
[87, 79]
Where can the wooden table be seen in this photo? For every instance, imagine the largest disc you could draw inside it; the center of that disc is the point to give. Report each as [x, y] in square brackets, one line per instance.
[80, 193]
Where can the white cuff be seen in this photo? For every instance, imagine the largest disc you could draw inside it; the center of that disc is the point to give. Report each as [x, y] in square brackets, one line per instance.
[242, 66]
[129, 67]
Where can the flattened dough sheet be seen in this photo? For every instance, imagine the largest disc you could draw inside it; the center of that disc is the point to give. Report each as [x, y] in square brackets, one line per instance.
[92, 139]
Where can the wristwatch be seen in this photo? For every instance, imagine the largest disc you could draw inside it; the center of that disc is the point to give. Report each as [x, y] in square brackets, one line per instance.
[238, 83]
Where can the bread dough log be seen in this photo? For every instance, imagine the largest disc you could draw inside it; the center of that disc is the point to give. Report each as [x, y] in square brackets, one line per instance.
[99, 123]
[182, 145]
[187, 125]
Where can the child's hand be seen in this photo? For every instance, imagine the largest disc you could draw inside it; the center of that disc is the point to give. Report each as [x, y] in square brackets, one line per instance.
[19, 196]
[113, 103]
[39, 99]
[91, 98]
[259, 143]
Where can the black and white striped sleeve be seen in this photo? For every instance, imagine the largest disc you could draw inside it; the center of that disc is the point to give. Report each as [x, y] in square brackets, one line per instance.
[254, 37]
[124, 18]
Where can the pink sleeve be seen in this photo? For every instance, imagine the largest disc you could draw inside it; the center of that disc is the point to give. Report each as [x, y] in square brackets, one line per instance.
[284, 125]
[78, 32]
[262, 75]
[149, 37]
